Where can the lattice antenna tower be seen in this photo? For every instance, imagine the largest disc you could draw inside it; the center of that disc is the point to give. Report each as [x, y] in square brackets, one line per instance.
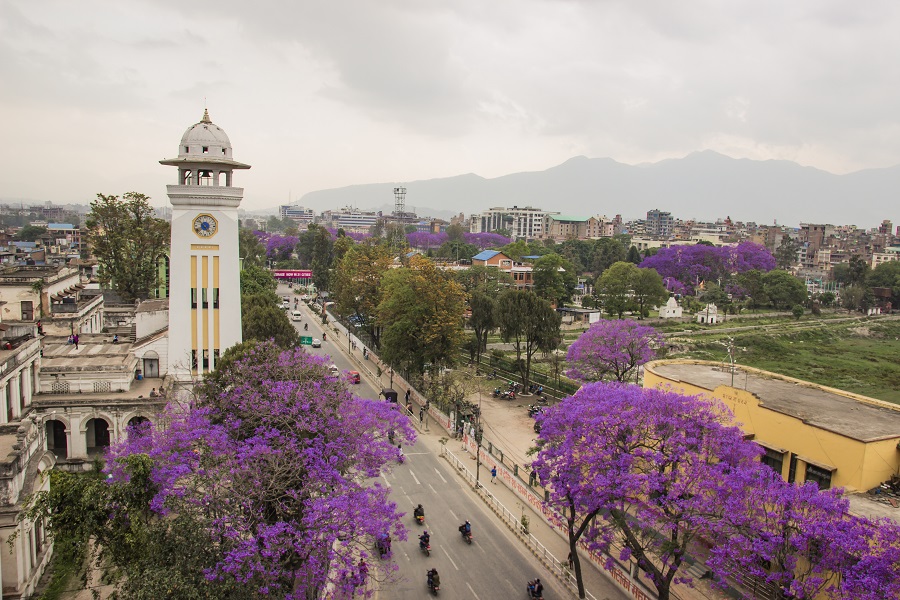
[399, 201]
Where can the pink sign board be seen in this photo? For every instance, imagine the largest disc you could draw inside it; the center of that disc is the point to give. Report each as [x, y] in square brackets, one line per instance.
[282, 274]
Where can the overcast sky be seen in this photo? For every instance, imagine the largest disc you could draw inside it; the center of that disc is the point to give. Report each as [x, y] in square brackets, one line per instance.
[326, 93]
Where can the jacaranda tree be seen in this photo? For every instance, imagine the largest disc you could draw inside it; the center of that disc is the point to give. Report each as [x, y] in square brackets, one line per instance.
[612, 349]
[644, 470]
[683, 268]
[275, 464]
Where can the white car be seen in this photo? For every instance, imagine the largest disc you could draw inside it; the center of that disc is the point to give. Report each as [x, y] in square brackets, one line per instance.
[317, 343]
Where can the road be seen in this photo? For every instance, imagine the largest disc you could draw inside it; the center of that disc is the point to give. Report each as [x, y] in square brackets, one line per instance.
[496, 565]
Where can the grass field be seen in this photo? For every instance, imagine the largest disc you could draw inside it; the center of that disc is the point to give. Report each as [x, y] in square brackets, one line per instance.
[862, 357]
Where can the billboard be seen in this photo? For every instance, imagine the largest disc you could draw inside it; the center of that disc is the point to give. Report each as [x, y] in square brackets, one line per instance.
[292, 274]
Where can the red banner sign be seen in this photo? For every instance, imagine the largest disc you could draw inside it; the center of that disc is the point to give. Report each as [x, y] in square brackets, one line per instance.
[292, 274]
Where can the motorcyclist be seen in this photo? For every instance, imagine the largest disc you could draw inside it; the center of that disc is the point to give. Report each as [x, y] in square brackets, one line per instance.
[419, 511]
[466, 529]
[536, 587]
[424, 540]
[306, 327]
[324, 337]
[434, 580]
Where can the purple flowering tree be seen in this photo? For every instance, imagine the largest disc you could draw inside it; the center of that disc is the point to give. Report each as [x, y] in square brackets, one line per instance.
[644, 471]
[612, 349]
[805, 542]
[485, 240]
[421, 240]
[279, 462]
[683, 268]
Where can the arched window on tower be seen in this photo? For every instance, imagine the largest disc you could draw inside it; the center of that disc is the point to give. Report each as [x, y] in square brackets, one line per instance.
[205, 177]
[186, 177]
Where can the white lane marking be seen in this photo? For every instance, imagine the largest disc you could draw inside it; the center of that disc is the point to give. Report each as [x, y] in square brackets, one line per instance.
[439, 475]
[473, 591]
[451, 559]
[432, 489]
[383, 476]
[455, 518]
[414, 477]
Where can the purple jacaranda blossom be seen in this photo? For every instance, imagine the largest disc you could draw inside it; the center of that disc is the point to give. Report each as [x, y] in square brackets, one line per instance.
[281, 462]
[694, 264]
[612, 349]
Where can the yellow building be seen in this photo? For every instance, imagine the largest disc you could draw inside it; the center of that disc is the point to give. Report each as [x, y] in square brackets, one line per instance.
[809, 432]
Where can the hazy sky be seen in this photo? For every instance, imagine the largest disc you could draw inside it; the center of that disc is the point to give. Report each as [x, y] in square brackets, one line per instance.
[327, 93]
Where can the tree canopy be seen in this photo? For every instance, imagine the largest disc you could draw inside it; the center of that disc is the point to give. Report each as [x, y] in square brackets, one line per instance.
[421, 312]
[612, 349]
[554, 278]
[127, 239]
[530, 323]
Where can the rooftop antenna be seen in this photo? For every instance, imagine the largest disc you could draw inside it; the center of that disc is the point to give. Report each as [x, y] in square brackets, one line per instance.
[399, 201]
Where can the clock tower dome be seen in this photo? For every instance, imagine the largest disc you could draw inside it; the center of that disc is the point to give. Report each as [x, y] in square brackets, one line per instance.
[204, 268]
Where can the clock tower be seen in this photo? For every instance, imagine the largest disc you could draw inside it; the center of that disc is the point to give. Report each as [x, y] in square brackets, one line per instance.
[204, 268]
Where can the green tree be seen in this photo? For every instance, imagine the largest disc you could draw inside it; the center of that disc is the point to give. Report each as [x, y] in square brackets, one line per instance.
[256, 280]
[751, 282]
[530, 323]
[786, 253]
[554, 278]
[887, 275]
[356, 284]
[634, 256]
[853, 297]
[516, 250]
[797, 311]
[648, 290]
[127, 239]
[456, 250]
[783, 289]
[713, 294]
[489, 279]
[455, 231]
[614, 287]
[607, 251]
[421, 312]
[262, 319]
[30, 233]
[250, 249]
[483, 319]
[315, 249]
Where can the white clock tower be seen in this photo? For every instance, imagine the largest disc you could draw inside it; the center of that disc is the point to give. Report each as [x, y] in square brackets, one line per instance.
[204, 268]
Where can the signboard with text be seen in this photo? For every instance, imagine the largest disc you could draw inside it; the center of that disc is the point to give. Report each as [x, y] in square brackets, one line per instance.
[305, 340]
[292, 274]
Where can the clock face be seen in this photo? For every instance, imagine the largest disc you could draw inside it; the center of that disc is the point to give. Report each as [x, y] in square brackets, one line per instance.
[205, 226]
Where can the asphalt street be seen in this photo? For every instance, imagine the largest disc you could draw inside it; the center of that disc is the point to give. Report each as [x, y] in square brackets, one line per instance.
[495, 565]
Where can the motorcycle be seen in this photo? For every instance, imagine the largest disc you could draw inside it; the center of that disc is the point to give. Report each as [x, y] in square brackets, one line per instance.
[420, 519]
[510, 395]
[433, 586]
[497, 392]
[426, 548]
[467, 535]
[534, 410]
[532, 592]
[383, 544]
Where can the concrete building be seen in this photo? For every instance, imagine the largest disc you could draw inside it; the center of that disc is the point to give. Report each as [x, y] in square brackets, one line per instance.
[205, 293]
[296, 213]
[523, 223]
[808, 432]
[889, 254]
[53, 295]
[670, 310]
[709, 315]
[560, 228]
[659, 223]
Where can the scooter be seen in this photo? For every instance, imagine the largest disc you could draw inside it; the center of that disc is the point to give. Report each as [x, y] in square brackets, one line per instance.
[467, 535]
[426, 548]
[534, 410]
[420, 519]
[532, 593]
[497, 392]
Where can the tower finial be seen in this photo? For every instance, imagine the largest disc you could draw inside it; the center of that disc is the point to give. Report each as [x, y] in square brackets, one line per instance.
[205, 118]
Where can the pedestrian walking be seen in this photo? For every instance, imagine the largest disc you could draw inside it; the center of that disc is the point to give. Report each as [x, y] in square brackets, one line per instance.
[75, 340]
[421, 414]
[532, 479]
[407, 395]
[493, 474]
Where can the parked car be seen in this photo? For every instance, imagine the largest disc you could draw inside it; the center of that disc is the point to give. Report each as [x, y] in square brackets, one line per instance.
[316, 343]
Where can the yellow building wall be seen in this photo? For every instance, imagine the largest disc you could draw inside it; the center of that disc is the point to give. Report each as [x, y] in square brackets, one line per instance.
[858, 465]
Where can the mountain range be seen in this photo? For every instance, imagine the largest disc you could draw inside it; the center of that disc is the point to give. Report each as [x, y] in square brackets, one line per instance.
[702, 186]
